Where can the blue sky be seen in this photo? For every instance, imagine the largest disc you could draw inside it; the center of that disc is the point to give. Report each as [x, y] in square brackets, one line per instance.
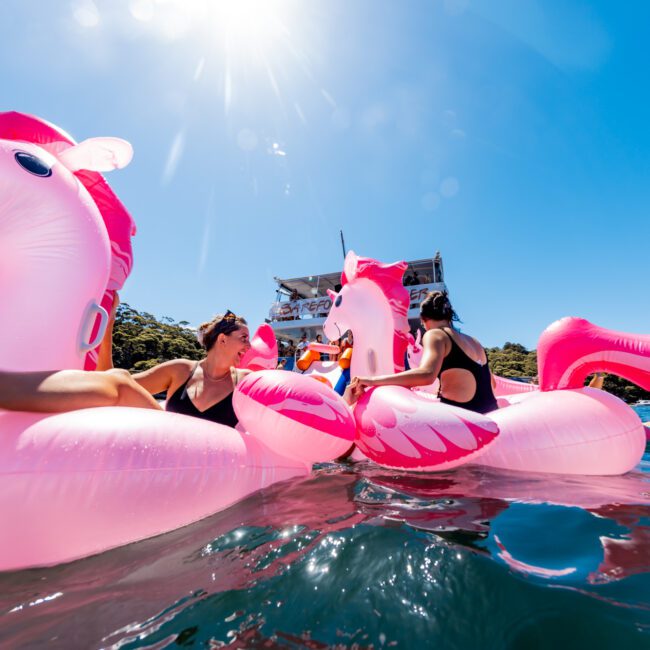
[510, 135]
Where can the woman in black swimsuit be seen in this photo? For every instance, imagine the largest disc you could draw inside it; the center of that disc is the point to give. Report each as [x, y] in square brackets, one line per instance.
[203, 388]
[459, 360]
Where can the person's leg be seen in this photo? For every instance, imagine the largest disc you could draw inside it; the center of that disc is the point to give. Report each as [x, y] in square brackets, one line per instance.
[68, 390]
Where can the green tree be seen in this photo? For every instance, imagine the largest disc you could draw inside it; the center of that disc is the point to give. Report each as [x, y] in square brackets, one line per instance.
[140, 341]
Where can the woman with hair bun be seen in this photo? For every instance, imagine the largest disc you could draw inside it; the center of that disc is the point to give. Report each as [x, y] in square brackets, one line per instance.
[203, 388]
[458, 359]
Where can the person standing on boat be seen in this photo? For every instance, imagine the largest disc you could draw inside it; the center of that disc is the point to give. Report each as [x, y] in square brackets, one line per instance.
[302, 344]
[458, 359]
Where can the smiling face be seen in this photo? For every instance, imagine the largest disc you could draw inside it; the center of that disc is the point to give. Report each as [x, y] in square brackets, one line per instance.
[232, 347]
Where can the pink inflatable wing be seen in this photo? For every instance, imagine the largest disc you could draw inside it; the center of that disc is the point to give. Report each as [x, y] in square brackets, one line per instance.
[572, 348]
[263, 353]
[401, 429]
[119, 224]
[294, 415]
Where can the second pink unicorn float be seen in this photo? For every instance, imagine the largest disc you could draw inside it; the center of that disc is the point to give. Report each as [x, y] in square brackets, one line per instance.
[563, 427]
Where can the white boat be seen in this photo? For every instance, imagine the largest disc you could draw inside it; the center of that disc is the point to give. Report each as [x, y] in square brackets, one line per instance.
[643, 402]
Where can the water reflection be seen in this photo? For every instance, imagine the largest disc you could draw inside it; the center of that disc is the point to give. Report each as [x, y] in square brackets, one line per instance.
[593, 528]
[358, 556]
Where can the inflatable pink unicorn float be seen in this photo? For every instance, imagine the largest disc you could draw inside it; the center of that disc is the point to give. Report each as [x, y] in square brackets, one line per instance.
[562, 428]
[74, 484]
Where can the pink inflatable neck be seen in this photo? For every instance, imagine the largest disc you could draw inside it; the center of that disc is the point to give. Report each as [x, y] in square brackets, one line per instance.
[571, 349]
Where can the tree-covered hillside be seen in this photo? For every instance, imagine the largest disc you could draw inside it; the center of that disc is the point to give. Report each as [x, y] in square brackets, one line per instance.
[513, 360]
[140, 340]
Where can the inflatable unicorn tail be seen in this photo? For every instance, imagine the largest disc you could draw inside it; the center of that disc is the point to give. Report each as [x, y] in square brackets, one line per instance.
[572, 348]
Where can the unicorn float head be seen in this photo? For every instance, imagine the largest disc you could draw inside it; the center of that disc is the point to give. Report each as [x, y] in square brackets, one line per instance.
[373, 303]
[56, 260]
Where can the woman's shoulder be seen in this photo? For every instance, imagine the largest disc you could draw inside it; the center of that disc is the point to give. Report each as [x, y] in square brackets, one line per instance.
[435, 335]
[176, 367]
[475, 347]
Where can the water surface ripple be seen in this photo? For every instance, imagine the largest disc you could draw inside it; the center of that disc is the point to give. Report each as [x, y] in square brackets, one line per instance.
[360, 557]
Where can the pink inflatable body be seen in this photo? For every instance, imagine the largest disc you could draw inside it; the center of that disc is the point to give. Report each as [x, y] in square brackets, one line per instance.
[578, 431]
[503, 386]
[78, 483]
[410, 431]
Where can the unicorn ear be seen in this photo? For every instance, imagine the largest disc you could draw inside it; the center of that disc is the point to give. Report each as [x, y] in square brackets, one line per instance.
[332, 294]
[97, 155]
[350, 266]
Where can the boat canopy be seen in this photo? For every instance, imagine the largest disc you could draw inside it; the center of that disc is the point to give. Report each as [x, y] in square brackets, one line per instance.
[302, 303]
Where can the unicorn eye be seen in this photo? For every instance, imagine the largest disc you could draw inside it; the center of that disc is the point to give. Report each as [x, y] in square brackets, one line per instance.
[338, 300]
[33, 164]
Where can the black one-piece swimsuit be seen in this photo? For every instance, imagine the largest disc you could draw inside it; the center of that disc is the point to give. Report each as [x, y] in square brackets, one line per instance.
[483, 400]
[222, 412]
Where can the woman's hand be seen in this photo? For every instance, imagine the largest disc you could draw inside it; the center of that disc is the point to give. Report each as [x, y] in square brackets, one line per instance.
[353, 392]
[114, 306]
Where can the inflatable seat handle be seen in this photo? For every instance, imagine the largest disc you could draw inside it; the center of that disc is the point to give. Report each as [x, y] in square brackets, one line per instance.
[92, 311]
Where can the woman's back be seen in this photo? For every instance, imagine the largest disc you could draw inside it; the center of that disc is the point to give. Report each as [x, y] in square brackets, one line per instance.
[465, 378]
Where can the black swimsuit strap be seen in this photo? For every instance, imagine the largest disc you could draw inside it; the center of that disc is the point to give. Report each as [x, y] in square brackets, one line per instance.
[187, 381]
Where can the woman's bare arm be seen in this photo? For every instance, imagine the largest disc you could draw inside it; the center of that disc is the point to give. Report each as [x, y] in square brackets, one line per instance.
[69, 390]
[434, 344]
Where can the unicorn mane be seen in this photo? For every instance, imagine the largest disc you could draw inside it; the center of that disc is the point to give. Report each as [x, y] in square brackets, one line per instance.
[388, 277]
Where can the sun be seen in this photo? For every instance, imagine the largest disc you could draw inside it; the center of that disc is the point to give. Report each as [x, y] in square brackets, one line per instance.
[257, 22]
[253, 27]
[246, 46]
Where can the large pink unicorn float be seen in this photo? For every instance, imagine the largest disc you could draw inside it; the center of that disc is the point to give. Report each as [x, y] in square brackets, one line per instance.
[562, 428]
[73, 484]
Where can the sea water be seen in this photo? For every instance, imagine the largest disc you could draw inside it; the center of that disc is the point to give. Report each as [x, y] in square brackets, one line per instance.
[360, 557]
